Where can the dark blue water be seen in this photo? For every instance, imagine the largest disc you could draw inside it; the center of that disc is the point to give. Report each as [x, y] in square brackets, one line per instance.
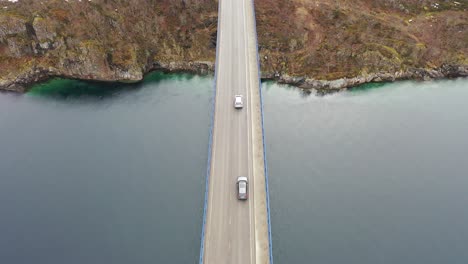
[106, 173]
[104, 176]
[370, 176]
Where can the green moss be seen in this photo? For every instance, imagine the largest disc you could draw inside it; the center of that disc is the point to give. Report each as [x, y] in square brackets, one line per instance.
[386, 51]
[92, 44]
[421, 45]
[13, 14]
[461, 58]
[88, 43]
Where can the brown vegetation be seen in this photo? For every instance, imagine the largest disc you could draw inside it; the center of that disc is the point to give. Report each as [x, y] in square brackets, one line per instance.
[330, 39]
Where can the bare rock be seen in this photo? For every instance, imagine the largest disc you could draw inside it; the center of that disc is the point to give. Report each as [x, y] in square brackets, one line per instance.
[11, 25]
[45, 31]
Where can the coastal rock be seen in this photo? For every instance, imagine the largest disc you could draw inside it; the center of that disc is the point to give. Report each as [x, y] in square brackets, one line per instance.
[11, 25]
[297, 81]
[45, 32]
[87, 69]
[18, 47]
[198, 67]
[22, 81]
[446, 71]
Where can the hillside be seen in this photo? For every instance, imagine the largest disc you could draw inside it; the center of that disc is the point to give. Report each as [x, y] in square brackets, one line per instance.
[117, 40]
[375, 39]
[103, 40]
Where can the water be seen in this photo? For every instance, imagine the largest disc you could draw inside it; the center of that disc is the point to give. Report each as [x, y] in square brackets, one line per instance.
[104, 176]
[370, 176]
[106, 173]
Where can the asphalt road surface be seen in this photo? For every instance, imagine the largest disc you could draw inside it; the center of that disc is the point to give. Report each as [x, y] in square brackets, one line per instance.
[230, 223]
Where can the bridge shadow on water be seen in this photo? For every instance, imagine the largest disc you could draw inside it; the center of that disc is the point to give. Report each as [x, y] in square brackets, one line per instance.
[65, 89]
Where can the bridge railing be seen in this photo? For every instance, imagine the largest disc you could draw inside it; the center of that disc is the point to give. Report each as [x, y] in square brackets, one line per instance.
[267, 189]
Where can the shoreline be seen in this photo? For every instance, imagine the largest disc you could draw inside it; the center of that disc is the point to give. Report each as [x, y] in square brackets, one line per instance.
[27, 80]
[331, 86]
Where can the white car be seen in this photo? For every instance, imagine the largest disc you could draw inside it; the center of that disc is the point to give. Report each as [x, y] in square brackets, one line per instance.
[238, 102]
[242, 188]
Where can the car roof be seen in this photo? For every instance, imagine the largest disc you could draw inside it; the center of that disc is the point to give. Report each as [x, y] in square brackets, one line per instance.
[241, 178]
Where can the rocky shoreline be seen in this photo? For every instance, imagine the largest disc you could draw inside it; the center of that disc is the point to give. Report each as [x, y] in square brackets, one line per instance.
[36, 75]
[23, 82]
[325, 86]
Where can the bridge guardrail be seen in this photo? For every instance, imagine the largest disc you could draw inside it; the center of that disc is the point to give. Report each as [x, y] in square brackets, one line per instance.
[263, 137]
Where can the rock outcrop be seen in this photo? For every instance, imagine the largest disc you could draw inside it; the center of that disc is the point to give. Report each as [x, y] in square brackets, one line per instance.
[446, 71]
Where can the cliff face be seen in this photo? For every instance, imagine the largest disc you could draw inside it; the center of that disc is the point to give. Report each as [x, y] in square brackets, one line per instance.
[103, 40]
[327, 39]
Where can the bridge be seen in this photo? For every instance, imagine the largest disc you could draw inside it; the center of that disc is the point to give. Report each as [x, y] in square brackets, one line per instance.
[236, 231]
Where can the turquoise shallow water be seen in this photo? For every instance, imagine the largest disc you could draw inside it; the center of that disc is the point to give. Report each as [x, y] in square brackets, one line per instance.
[107, 173]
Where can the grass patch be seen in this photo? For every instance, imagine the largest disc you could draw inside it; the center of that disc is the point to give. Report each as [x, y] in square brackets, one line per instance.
[387, 51]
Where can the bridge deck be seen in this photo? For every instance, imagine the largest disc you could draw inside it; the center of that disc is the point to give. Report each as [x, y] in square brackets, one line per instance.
[236, 231]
